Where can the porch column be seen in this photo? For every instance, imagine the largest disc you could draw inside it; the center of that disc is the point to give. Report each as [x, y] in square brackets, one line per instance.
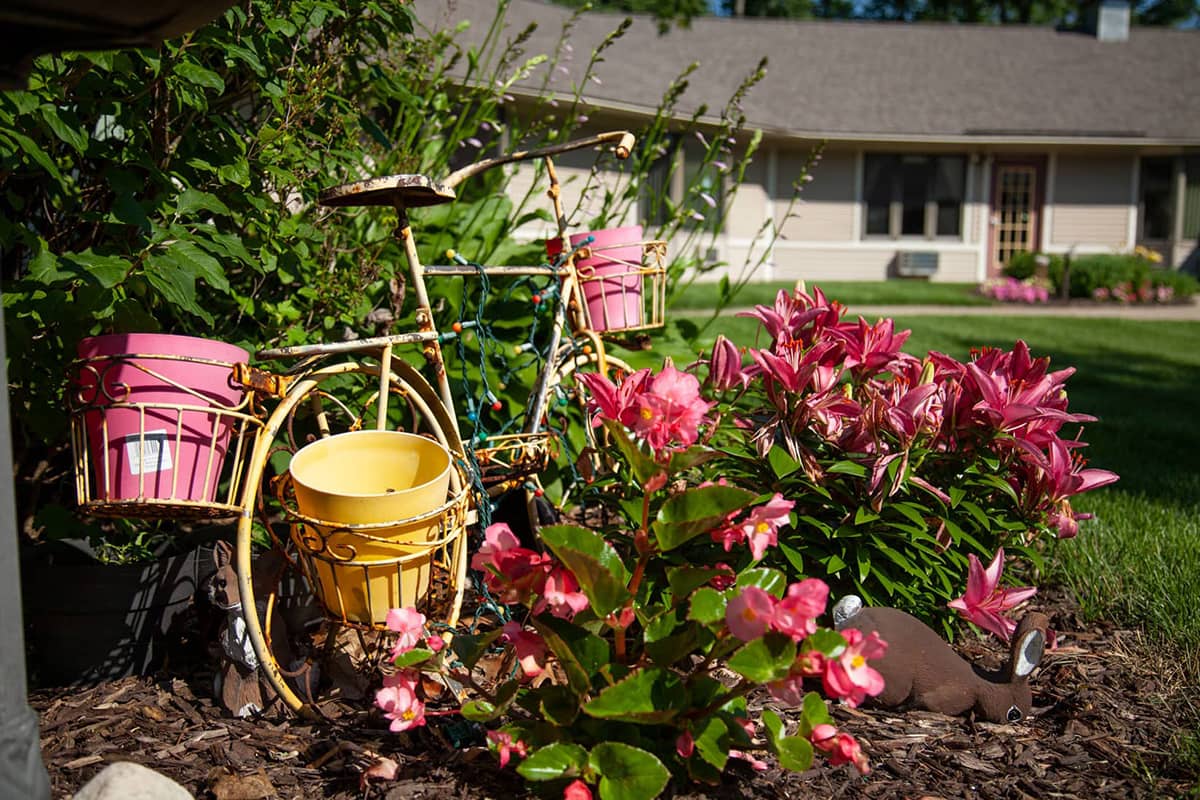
[22, 773]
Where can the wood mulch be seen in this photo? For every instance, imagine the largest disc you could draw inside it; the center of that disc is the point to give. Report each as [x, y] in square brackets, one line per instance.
[1111, 722]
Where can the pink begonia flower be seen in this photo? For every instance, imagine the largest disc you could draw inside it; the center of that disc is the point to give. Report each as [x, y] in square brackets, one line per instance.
[848, 676]
[670, 412]
[561, 595]
[763, 524]
[725, 579]
[727, 535]
[511, 571]
[749, 759]
[984, 602]
[410, 624]
[796, 614]
[399, 702]
[789, 690]
[530, 648]
[435, 643]
[841, 748]
[685, 745]
[749, 614]
[506, 746]
[577, 790]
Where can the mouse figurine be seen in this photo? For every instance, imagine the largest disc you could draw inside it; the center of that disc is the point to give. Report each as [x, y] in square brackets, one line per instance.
[239, 684]
[922, 670]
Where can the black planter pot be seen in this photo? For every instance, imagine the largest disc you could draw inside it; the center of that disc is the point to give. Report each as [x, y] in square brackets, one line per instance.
[91, 622]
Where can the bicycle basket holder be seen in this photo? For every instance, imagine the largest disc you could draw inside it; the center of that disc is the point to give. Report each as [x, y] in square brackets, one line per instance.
[359, 571]
[513, 458]
[159, 436]
[623, 285]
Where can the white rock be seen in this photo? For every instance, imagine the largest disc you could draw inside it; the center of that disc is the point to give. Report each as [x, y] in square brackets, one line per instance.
[128, 781]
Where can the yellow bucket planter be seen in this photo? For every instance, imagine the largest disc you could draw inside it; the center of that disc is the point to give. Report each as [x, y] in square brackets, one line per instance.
[374, 503]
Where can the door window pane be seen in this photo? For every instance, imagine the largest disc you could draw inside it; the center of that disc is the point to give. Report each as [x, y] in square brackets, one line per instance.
[1156, 198]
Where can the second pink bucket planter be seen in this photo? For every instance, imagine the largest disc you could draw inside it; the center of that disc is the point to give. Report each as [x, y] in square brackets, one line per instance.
[155, 412]
[610, 275]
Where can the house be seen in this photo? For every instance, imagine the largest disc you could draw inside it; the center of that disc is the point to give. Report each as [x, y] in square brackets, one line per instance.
[947, 147]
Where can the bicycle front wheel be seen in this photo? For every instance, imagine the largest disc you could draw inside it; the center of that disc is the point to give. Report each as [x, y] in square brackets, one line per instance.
[323, 618]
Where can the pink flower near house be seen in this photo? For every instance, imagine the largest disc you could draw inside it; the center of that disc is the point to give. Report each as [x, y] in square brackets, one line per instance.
[796, 614]
[530, 648]
[561, 595]
[399, 702]
[750, 613]
[762, 525]
[410, 624]
[506, 746]
[984, 602]
[577, 790]
[848, 675]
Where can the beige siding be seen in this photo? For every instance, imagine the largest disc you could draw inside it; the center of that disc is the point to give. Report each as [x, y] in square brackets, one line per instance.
[863, 264]
[825, 212]
[748, 210]
[1091, 201]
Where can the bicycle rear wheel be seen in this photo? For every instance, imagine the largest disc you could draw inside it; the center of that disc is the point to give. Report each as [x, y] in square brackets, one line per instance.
[350, 571]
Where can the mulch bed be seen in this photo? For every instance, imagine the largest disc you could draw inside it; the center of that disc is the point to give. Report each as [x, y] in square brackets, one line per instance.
[1108, 723]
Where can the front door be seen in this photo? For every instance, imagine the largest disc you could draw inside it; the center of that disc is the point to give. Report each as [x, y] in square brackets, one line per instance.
[1016, 211]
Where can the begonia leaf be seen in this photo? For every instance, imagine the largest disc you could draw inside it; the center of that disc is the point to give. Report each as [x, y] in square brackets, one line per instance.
[601, 573]
[771, 581]
[557, 760]
[627, 772]
[767, 658]
[795, 753]
[707, 606]
[580, 652]
[647, 696]
[696, 511]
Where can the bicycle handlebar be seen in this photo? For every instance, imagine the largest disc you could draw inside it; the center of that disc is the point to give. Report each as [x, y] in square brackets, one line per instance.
[623, 147]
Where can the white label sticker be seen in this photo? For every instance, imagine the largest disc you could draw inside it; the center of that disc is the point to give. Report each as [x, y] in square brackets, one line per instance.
[153, 454]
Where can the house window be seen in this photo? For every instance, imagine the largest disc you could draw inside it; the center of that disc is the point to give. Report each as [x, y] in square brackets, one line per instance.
[1156, 201]
[680, 182]
[913, 195]
[1169, 190]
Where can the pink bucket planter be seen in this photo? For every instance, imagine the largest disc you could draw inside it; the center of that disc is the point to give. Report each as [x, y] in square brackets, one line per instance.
[612, 285]
[154, 451]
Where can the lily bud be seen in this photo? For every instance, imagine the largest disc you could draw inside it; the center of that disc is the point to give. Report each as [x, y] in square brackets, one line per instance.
[927, 372]
[725, 366]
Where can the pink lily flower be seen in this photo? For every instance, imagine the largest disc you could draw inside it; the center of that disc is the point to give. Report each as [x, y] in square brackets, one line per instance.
[870, 348]
[725, 365]
[984, 602]
[410, 624]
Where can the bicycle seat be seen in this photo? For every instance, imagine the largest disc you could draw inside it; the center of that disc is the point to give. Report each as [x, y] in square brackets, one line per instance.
[410, 191]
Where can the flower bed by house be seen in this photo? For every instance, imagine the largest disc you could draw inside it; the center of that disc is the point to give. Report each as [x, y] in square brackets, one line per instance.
[827, 458]
[1136, 277]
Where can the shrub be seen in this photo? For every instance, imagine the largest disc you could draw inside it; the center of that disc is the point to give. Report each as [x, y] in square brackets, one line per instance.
[899, 467]
[1123, 277]
[614, 640]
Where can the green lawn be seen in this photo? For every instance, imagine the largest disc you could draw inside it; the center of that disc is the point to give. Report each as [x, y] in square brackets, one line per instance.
[703, 296]
[1138, 561]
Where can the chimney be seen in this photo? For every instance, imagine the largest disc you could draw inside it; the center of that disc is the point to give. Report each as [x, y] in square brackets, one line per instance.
[1108, 20]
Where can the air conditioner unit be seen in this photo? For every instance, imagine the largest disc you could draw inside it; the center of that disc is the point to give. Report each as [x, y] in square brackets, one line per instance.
[916, 264]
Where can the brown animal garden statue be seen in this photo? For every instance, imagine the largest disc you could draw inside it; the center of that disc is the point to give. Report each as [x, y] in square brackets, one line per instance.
[921, 670]
[239, 684]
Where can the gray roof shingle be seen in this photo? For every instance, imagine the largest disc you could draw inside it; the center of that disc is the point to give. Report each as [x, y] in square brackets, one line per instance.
[883, 80]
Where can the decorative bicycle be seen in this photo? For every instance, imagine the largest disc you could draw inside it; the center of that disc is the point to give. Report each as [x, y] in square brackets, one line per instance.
[375, 521]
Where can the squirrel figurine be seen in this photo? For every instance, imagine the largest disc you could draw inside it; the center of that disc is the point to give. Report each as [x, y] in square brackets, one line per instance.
[239, 684]
[922, 670]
